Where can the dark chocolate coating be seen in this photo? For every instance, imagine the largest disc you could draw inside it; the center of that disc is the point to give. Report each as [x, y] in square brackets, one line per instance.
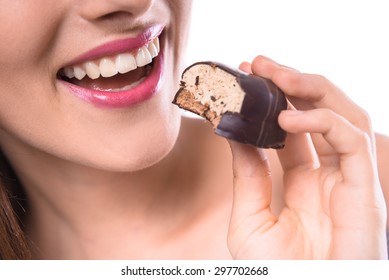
[257, 121]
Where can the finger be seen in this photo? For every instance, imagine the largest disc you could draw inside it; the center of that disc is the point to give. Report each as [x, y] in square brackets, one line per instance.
[308, 91]
[252, 182]
[351, 144]
[251, 197]
[245, 67]
[321, 93]
[299, 151]
[263, 66]
[317, 92]
[266, 67]
[356, 203]
[289, 158]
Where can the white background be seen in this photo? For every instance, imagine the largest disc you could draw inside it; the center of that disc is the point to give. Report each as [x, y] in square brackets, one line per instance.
[346, 41]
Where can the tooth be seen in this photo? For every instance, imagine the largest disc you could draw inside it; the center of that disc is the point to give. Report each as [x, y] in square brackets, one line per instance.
[79, 73]
[156, 43]
[143, 57]
[152, 49]
[125, 63]
[92, 70]
[69, 73]
[107, 68]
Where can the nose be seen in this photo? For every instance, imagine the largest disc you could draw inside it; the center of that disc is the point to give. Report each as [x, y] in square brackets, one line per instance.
[111, 10]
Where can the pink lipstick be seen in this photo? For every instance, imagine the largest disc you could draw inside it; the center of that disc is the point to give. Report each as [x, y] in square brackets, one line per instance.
[120, 46]
[119, 93]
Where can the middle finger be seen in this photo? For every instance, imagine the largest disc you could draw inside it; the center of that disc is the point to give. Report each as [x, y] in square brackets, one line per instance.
[309, 91]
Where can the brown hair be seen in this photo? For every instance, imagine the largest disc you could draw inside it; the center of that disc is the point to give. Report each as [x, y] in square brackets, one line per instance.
[13, 240]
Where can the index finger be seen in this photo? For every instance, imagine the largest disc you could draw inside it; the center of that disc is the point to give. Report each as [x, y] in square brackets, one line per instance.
[309, 91]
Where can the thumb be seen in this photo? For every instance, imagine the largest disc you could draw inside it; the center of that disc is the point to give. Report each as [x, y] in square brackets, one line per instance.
[252, 186]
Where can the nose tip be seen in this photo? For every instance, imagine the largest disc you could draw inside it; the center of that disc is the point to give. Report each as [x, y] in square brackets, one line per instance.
[111, 10]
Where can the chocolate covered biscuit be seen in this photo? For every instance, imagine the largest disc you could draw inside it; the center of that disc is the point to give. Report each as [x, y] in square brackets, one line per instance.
[240, 106]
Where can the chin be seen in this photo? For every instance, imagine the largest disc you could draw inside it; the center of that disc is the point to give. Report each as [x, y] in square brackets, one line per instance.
[142, 146]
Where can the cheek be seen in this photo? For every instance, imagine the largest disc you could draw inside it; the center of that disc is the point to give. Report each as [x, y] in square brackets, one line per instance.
[27, 29]
[181, 11]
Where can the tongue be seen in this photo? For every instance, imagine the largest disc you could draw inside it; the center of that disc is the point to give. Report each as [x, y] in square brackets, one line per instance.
[116, 82]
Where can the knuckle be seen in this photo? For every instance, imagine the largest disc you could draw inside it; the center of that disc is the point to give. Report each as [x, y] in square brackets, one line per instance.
[363, 139]
[327, 119]
[321, 78]
[329, 114]
[323, 86]
[363, 120]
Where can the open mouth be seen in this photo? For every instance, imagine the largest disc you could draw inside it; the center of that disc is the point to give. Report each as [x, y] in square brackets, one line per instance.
[115, 73]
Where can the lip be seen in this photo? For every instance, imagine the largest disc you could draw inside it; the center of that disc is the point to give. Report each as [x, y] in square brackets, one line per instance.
[125, 98]
[120, 46]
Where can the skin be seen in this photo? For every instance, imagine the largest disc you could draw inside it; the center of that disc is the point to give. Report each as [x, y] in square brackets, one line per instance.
[324, 198]
[99, 187]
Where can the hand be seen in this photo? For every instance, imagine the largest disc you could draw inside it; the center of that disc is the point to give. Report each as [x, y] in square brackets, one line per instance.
[334, 207]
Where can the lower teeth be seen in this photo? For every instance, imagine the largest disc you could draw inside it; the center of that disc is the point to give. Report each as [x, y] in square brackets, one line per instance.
[128, 87]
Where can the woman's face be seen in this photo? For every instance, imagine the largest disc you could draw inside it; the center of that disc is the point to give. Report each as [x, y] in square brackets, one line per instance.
[62, 91]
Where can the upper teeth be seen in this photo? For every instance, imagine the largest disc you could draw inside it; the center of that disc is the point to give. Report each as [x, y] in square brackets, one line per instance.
[110, 66]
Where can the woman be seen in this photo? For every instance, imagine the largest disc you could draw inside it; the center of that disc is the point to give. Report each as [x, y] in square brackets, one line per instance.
[108, 170]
